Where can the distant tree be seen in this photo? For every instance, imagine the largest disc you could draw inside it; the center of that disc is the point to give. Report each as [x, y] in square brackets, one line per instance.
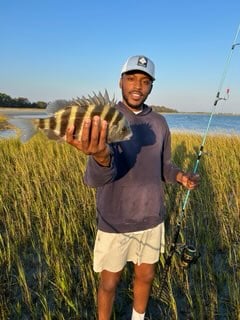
[21, 102]
[163, 109]
[4, 99]
[39, 104]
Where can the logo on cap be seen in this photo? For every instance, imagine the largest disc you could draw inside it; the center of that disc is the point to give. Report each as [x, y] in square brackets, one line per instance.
[142, 62]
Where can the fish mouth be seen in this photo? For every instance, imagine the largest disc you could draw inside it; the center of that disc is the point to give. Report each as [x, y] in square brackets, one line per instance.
[129, 136]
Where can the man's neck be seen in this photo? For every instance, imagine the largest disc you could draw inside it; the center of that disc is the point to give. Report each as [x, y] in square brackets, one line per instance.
[136, 110]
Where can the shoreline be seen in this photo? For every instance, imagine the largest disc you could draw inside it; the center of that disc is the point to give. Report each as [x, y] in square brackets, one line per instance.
[10, 110]
[202, 113]
[174, 127]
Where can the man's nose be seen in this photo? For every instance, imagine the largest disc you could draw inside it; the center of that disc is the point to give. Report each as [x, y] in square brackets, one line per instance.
[137, 84]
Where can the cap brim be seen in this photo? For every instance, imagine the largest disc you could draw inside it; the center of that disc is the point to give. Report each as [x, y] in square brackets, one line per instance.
[138, 70]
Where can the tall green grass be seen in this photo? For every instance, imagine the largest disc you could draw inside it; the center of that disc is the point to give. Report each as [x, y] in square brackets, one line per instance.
[47, 230]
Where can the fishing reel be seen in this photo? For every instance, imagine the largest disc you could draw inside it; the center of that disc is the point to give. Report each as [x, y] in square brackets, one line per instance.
[188, 255]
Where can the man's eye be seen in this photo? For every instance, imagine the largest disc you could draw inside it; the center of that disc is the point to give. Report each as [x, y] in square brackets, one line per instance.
[146, 82]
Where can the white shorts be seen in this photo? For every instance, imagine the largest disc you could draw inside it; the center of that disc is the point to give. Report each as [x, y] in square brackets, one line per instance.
[113, 250]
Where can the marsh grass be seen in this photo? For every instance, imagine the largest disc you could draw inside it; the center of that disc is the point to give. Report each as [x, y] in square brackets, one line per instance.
[4, 123]
[47, 229]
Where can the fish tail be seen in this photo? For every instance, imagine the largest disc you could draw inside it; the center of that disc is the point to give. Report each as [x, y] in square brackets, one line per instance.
[25, 128]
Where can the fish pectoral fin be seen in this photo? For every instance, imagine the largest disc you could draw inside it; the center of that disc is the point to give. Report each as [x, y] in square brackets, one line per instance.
[51, 134]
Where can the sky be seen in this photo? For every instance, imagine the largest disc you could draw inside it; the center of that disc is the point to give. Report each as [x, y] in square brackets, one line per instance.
[55, 49]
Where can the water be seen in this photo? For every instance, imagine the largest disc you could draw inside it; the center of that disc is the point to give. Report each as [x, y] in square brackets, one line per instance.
[7, 133]
[195, 123]
[15, 113]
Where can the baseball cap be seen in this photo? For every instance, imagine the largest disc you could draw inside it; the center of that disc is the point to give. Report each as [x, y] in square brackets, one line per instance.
[140, 63]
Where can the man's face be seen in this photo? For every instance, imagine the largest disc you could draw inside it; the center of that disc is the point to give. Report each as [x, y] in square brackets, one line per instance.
[136, 87]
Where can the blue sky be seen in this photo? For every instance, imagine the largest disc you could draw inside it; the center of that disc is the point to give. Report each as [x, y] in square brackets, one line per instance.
[63, 49]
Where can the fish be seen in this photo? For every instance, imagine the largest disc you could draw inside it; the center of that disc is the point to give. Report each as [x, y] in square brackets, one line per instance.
[61, 114]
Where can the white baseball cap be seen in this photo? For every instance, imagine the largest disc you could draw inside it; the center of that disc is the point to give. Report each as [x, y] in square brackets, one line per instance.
[140, 63]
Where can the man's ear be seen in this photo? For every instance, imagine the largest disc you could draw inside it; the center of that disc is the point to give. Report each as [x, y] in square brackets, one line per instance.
[120, 83]
[151, 88]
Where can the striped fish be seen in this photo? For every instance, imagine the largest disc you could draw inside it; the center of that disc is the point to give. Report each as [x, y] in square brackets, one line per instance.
[62, 114]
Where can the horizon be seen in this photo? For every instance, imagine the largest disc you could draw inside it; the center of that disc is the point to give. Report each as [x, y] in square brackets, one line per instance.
[58, 50]
[171, 110]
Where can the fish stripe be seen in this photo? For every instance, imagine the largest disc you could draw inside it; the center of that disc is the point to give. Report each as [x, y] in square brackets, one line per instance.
[78, 121]
[47, 123]
[72, 116]
[116, 117]
[96, 111]
[52, 123]
[41, 123]
[109, 114]
[89, 113]
[105, 111]
[64, 122]
[58, 116]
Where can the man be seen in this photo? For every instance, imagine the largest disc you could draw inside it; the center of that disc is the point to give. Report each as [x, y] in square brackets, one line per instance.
[128, 176]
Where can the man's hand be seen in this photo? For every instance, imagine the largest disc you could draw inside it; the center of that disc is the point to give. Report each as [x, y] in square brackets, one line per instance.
[188, 180]
[93, 140]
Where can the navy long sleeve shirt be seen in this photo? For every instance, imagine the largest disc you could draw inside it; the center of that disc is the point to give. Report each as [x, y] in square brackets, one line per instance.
[129, 194]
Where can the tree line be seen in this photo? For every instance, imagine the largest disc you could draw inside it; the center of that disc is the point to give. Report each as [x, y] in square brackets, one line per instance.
[7, 101]
[163, 109]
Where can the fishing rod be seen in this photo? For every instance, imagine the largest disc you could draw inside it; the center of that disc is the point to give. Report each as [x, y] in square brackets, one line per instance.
[188, 253]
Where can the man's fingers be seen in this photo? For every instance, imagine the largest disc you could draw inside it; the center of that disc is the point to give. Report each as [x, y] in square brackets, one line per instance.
[85, 137]
[93, 138]
[190, 181]
[103, 134]
[95, 132]
[70, 138]
[69, 134]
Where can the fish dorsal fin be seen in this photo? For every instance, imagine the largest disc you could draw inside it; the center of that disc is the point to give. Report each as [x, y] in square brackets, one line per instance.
[106, 96]
[102, 98]
[94, 99]
[97, 100]
[57, 105]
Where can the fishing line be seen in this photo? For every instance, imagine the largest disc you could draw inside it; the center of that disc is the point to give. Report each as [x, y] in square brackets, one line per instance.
[189, 252]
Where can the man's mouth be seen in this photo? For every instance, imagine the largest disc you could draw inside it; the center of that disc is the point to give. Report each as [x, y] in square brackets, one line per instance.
[136, 95]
